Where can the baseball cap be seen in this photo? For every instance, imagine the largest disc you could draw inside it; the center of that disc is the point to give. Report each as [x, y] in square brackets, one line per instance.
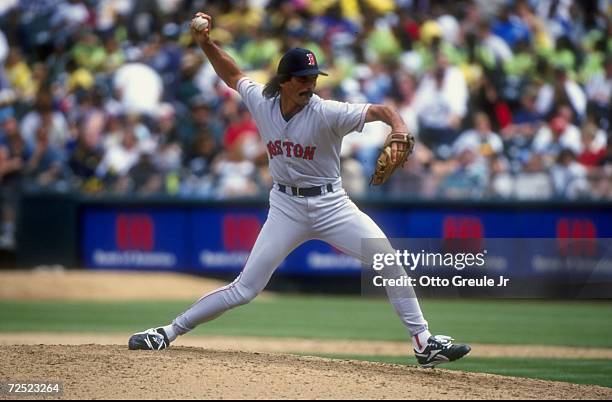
[299, 62]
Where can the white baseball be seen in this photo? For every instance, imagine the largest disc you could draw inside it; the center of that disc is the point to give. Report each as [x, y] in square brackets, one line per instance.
[200, 23]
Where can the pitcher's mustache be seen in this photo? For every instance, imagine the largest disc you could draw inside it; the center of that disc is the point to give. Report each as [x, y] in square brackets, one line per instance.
[307, 93]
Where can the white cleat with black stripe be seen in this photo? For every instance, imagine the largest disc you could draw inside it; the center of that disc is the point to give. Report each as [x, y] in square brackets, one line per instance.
[151, 339]
[440, 349]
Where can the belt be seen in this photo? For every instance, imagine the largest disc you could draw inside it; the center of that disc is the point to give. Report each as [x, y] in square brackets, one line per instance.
[306, 192]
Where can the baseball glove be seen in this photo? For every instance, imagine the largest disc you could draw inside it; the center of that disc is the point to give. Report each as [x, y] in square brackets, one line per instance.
[404, 143]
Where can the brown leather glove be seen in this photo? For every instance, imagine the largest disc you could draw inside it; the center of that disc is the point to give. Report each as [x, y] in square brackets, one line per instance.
[398, 147]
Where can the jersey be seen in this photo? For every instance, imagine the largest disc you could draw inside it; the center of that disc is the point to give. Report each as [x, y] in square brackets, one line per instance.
[304, 151]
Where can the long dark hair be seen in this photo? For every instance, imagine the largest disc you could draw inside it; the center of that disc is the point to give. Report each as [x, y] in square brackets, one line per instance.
[272, 88]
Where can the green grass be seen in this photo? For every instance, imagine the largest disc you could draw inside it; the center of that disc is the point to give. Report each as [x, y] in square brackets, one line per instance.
[503, 322]
[585, 324]
[577, 371]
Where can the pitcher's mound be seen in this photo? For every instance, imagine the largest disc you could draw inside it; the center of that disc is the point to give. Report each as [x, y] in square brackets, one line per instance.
[113, 372]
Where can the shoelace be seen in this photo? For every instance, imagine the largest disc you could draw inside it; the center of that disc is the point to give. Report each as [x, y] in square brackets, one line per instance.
[441, 341]
[157, 337]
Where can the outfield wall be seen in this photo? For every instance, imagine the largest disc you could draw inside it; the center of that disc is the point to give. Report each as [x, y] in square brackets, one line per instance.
[215, 237]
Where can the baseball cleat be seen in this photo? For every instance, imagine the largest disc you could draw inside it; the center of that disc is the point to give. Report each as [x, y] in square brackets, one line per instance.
[151, 339]
[440, 349]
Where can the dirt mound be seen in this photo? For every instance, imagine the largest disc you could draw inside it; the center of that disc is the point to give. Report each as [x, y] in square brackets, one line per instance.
[102, 286]
[305, 346]
[94, 371]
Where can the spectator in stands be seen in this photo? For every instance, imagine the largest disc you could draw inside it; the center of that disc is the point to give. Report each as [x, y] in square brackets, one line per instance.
[115, 56]
[538, 31]
[525, 119]
[145, 177]
[593, 148]
[87, 154]
[468, 179]
[502, 183]
[165, 55]
[441, 104]
[241, 18]
[557, 15]
[19, 75]
[113, 131]
[519, 135]
[488, 98]
[187, 88]
[414, 180]
[89, 52]
[259, 52]
[510, 27]
[481, 140]
[79, 78]
[236, 175]
[46, 164]
[70, 15]
[119, 157]
[136, 122]
[201, 117]
[569, 177]
[200, 156]
[493, 43]
[599, 92]
[375, 82]
[534, 182]
[83, 162]
[562, 90]
[242, 135]
[198, 179]
[13, 143]
[169, 151]
[556, 136]
[44, 114]
[14, 154]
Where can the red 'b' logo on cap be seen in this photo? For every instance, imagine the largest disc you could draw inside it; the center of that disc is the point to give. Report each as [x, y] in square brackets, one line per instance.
[311, 59]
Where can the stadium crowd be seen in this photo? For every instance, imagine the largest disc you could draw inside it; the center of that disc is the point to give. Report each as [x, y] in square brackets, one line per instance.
[508, 99]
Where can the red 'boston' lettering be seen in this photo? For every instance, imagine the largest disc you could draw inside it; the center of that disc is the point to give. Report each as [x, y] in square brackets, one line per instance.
[271, 149]
[298, 151]
[309, 153]
[288, 146]
[291, 150]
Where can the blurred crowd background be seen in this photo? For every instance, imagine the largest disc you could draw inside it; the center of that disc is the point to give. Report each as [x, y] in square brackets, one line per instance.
[508, 99]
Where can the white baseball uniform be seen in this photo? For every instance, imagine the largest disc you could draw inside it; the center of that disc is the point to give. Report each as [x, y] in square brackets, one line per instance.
[304, 152]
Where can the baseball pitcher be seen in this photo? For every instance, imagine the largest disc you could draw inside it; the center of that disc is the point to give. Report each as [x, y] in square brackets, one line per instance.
[303, 134]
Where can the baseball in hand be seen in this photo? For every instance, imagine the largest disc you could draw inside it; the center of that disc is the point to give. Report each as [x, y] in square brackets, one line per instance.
[200, 23]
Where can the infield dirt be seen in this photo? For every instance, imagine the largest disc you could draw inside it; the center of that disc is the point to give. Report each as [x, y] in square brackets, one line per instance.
[92, 366]
[113, 372]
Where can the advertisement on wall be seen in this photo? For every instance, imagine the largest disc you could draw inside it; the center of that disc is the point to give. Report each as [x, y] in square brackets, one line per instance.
[135, 239]
[219, 240]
